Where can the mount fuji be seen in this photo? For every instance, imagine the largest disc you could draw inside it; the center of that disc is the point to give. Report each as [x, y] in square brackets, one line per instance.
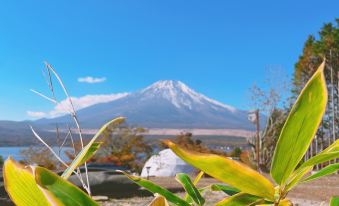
[164, 104]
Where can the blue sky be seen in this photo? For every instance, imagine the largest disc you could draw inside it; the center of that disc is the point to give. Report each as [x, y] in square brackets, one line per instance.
[218, 48]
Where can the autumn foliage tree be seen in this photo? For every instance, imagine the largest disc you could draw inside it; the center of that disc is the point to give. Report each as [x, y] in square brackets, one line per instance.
[125, 146]
[187, 141]
[325, 45]
[41, 156]
[121, 146]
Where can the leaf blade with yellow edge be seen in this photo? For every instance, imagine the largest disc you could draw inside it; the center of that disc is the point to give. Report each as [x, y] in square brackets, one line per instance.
[21, 186]
[66, 192]
[89, 150]
[228, 171]
[300, 127]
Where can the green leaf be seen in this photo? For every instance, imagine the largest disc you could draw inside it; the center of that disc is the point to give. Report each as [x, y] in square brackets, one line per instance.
[150, 186]
[21, 186]
[89, 150]
[241, 199]
[330, 169]
[195, 182]
[334, 201]
[297, 176]
[227, 170]
[191, 190]
[330, 153]
[67, 193]
[300, 127]
[225, 188]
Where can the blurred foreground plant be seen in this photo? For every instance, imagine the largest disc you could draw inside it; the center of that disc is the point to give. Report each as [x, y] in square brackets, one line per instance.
[250, 187]
[34, 185]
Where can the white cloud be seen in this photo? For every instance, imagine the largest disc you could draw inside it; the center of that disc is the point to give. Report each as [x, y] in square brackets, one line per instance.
[82, 102]
[36, 114]
[78, 102]
[91, 80]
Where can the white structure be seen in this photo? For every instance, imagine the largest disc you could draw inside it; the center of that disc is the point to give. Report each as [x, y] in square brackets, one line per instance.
[165, 164]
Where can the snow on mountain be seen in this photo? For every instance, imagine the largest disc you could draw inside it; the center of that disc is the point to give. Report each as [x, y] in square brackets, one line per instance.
[180, 94]
[164, 104]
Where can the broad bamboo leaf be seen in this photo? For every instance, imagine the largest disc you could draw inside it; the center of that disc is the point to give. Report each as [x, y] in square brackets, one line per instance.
[159, 201]
[21, 186]
[67, 193]
[241, 199]
[225, 188]
[228, 171]
[300, 127]
[89, 150]
[189, 187]
[330, 169]
[334, 201]
[150, 186]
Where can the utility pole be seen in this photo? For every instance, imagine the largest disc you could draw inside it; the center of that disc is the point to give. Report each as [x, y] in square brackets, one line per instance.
[258, 138]
[253, 116]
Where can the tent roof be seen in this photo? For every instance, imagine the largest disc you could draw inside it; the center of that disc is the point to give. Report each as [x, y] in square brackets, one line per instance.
[166, 163]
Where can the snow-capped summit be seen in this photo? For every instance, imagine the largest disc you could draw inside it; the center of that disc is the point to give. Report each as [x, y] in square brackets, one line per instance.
[165, 104]
[180, 94]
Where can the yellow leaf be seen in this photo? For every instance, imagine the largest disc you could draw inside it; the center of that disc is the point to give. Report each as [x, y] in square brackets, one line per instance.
[228, 171]
[21, 186]
[241, 199]
[159, 201]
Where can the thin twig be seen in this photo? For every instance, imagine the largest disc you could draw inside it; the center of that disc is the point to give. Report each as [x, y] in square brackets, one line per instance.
[48, 147]
[58, 139]
[63, 143]
[44, 96]
[73, 145]
[57, 156]
[72, 111]
[74, 116]
[74, 153]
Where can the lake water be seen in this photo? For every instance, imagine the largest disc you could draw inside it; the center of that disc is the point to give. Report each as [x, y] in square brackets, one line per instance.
[15, 152]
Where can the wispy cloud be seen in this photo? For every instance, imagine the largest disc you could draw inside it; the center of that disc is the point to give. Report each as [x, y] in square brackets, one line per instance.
[79, 103]
[36, 114]
[91, 80]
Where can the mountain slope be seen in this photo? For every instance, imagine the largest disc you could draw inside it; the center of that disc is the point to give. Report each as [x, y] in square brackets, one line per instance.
[164, 104]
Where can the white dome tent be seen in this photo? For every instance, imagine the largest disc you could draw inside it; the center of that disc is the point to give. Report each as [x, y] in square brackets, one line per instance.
[165, 164]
